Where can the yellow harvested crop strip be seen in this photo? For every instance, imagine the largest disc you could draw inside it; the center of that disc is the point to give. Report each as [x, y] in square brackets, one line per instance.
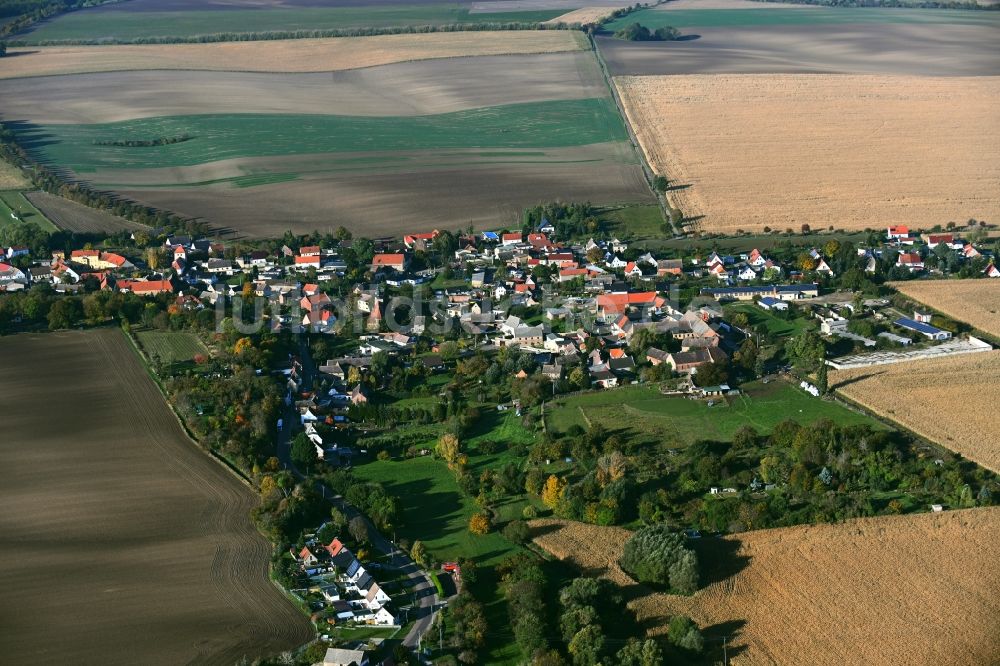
[951, 400]
[917, 589]
[583, 15]
[976, 302]
[293, 55]
[848, 151]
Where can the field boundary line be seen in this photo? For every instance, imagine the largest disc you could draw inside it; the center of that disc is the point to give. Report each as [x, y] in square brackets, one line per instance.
[647, 169]
[187, 433]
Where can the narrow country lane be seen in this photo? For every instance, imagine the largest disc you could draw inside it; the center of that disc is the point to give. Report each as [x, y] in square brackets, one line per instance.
[422, 589]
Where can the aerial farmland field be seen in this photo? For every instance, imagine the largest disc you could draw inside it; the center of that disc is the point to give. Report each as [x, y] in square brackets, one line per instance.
[396, 147]
[287, 55]
[783, 150]
[120, 536]
[948, 400]
[140, 20]
[859, 592]
[73, 216]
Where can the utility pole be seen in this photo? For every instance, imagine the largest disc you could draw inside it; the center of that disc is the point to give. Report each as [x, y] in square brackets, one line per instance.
[725, 658]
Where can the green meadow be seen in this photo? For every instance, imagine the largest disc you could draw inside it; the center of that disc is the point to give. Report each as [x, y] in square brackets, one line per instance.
[16, 203]
[85, 148]
[740, 18]
[642, 412]
[123, 24]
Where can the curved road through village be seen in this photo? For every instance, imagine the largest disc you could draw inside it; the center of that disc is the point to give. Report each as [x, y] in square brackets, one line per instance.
[421, 587]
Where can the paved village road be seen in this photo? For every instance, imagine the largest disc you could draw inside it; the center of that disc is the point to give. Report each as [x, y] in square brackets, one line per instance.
[421, 588]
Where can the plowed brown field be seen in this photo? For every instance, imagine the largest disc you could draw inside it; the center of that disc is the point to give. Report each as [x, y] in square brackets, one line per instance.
[848, 151]
[294, 55]
[123, 543]
[919, 589]
[948, 400]
[976, 302]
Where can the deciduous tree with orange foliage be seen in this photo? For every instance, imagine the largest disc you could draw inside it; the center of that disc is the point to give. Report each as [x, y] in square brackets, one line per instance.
[480, 524]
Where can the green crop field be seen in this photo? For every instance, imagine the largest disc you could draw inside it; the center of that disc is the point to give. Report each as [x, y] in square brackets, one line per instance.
[121, 23]
[171, 346]
[737, 18]
[217, 137]
[641, 411]
[14, 202]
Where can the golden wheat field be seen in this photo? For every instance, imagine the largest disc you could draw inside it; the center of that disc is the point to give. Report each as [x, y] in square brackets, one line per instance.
[947, 400]
[293, 55]
[848, 151]
[919, 589]
[976, 302]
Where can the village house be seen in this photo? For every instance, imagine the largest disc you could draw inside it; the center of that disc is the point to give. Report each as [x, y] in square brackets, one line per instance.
[689, 361]
[395, 261]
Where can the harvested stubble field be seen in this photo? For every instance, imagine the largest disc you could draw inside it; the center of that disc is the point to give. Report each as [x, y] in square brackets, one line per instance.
[975, 302]
[293, 55]
[73, 216]
[948, 400]
[918, 589]
[584, 15]
[395, 148]
[121, 538]
[853, 152]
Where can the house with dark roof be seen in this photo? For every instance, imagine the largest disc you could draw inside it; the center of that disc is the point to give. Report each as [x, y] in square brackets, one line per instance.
[928, 331]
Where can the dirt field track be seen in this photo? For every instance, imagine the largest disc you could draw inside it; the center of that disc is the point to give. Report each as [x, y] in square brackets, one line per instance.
[295, 55]
[919, 589]
[854, 152]
[976, 302]
[123, 543]
[951, 401]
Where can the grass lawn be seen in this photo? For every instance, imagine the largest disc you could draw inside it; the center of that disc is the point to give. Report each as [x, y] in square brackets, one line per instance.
[642, 412]
[639, 221]
[711, 18]
[434, 510]
[774, 325]
[14, 202]
[225, 136]
[171, 346]
[121, 23]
